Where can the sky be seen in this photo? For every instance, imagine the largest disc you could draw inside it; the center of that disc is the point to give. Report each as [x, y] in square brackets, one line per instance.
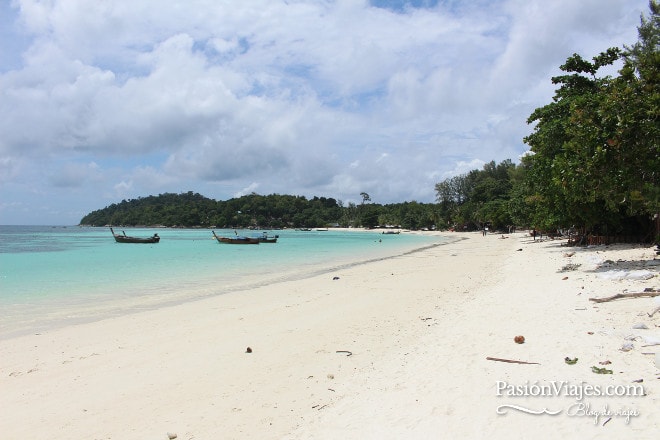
[110, 100]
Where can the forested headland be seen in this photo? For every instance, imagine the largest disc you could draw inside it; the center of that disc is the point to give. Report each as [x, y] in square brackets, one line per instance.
[593, 166]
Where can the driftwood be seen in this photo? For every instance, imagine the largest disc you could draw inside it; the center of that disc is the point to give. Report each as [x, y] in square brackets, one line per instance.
[348, 353]
[654, 312]
[649, 294]
[511, 361]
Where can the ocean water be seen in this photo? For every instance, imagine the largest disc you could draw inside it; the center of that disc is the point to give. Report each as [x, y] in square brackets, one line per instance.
[54, 275]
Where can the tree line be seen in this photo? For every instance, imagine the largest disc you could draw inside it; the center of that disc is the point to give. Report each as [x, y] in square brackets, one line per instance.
[273, 211]
[593, 165]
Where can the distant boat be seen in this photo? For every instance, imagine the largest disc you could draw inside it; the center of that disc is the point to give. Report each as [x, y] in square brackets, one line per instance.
[119, 238]
[264, 238]
[238, 239]
[304, 229]
[391, 232]
[322, 229]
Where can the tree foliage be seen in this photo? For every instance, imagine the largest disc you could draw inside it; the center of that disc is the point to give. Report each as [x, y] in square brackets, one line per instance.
[477, 198]
[595, 160]
[257, 211]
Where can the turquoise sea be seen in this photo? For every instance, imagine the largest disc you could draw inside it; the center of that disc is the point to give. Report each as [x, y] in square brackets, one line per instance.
[54, 275]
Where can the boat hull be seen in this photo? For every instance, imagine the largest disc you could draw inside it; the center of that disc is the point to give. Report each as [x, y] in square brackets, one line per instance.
[128, 239]
[235, 240]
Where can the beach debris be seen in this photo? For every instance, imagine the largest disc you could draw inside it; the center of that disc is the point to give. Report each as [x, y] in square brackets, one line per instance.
[171, 435]
[335, 278]
[518, 250]
[569, 267]
[640, 326]
[650, 340]
[570, 361]
[511, 361]
[654, 312]
[617, 275]
[638, 380]
[605, 362]
[627, 346]
[519, 339]
[569, 254]
[348, 353]
[565, 278]
[646, 293]
[601, 370]
[248, 350]
[331, 376]
[590, 333]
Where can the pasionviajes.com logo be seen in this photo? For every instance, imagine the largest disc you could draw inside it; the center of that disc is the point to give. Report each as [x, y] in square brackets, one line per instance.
[564, 388]
[578, 391]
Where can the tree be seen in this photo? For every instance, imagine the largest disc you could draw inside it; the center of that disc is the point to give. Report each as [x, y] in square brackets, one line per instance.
[595, 148]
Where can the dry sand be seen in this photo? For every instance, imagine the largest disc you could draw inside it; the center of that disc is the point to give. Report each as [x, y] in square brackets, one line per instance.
[393, 349]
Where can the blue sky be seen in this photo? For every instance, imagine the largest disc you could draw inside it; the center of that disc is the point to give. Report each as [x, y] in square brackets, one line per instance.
[113, 100]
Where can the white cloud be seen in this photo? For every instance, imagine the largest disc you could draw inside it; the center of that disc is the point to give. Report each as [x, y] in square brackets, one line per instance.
[312, 98]
[247, 190]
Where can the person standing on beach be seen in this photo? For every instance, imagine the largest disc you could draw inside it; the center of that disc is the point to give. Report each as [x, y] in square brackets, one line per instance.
[534, 233]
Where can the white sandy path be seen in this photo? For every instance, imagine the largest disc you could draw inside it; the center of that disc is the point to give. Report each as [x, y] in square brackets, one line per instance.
[419, 326]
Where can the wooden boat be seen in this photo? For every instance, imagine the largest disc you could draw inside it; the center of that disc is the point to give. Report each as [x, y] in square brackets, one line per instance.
[391, 232]
[266, 239]
[238, 239]
[119, 238]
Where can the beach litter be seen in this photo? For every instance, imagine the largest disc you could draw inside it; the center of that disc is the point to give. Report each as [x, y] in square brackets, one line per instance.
[618, 275]
[570, 361]
[519, 339]
[511, 361]
[569, 267]
[650, 340]
[627, 346]
[645, 293]
[601, 370]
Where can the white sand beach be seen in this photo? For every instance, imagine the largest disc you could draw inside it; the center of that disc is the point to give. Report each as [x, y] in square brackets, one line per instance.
[392, 349]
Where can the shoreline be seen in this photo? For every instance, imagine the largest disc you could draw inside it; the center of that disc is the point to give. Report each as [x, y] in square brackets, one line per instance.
[52, 313]
[419, 328]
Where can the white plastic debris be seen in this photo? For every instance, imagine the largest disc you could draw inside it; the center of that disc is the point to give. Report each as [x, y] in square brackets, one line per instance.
[651, 340]
[627, 346]
[616, 275]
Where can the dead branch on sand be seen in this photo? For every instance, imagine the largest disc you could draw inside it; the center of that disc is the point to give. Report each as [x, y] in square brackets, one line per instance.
[649, 294]
[511, 361]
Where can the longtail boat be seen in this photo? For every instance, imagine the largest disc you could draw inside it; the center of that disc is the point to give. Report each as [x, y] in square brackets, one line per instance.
[119, 238]
[264, 238]
[238, 239]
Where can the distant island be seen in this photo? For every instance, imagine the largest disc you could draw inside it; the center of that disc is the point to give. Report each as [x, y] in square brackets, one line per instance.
[273, 211]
